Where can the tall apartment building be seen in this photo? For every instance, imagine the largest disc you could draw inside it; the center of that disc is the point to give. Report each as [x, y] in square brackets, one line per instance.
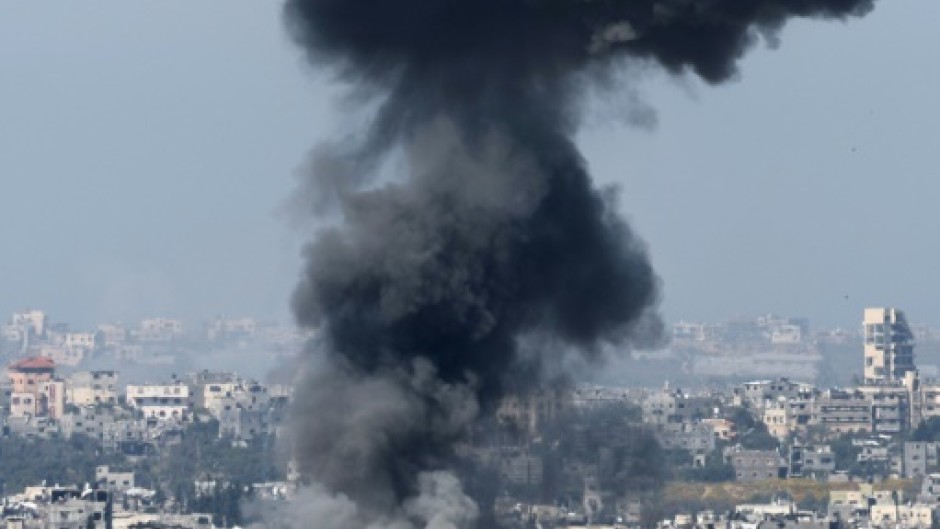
[889, 346]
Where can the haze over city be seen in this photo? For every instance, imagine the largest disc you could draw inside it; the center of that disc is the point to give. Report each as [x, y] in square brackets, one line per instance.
[149, 153]
[469, 264]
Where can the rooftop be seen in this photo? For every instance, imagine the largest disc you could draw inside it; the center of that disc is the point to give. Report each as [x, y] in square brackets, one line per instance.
[35, 363]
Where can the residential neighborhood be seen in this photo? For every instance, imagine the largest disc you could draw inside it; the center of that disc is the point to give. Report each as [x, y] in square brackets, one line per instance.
[189, 449]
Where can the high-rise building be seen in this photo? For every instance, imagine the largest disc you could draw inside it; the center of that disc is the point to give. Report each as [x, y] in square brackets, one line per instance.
[889, 346]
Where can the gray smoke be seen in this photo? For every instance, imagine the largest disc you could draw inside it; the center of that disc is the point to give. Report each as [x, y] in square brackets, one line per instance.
[469, 224]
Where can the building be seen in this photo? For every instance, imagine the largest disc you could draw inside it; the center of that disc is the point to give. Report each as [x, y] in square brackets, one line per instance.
[53, 393]
[757, 465]
[111, 335]
[521, 469]
[889, 346]
[815, 461]
[112, 480]
[161, 401]
[675, 407]
[930, 489]
[535, 410]
[242, 408]
[722, 428]
[777, 420]
[236, 329]
[843, 412]
[699, 437]
[159, 330]
[88, 422]
[26, 375]
[919, 459]
[761, 393]
[90, 388]
[34, 392]
[901, 515]
[26, 325]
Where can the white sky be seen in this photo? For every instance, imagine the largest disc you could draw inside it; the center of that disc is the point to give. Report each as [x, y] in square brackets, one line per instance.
[147, 149]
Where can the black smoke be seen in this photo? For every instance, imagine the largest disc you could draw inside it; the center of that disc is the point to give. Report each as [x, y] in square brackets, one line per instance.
[490, 232]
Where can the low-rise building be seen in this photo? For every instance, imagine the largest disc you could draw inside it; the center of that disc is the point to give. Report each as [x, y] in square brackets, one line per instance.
[676, 407]
[34, 392]
[919, 459]
[698, 437]
[757, 465]
[159, 330]
[903, 515]
[843, 412]
[160, 401]
[815, 461]
[89, 388]
[112, 480]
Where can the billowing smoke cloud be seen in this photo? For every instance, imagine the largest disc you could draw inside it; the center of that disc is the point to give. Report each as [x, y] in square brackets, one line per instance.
[489, 231]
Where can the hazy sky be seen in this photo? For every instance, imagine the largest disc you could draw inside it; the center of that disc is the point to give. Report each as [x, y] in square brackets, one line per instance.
[147, 150]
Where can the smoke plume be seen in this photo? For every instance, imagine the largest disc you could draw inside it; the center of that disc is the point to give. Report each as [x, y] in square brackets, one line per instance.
[488, 231]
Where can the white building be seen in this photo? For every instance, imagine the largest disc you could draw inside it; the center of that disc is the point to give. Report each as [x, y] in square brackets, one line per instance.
[112, 334]
[889, 346]
[33, 321]
[904, 515]
[159, 330]
[61, 354]
[115, 481]
[80, 340]
[161, 401]
[231, 329]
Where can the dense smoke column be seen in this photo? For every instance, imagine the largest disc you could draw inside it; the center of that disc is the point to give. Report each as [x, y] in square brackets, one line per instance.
[495, 233]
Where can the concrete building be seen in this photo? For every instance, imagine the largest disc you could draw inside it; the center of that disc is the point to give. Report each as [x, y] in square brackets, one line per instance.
[235, 329]
[843, 412]
[159, 330]
[199, 380]
[903, 515]
[53, 393]
[757, 465]
[534, 411]
[699, 437]
[88, 388]
[112, 480]
[26, 325]
[26, 375]
[80, 340]
[521, 469]
[61, 354]
[889, 346]
[34, 392]
[675, 407]
[74, 512]
[111, 335]
[815, 461]
[723, 429]
[760, 393]
[919, 459]
[777, 420]
[88, 422]
[161, 401]
[930, 489]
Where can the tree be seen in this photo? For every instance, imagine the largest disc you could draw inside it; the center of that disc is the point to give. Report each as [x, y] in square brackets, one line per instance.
[928, 430]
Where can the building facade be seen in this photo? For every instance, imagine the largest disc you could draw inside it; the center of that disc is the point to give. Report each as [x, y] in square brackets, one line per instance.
[889, 346]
